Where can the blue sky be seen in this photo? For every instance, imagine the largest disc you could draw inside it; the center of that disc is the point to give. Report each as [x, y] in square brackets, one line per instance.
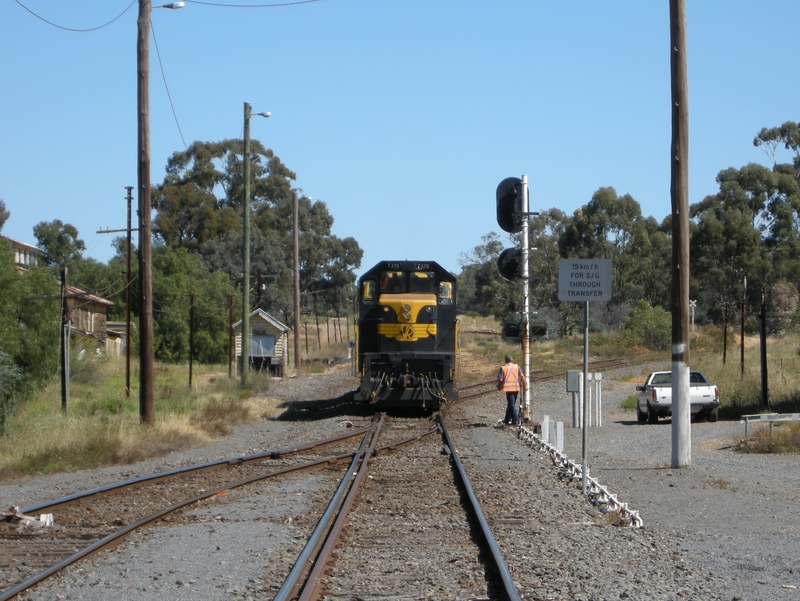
[402, 116]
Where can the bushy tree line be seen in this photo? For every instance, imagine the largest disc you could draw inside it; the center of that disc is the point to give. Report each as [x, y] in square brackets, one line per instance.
[29, 329]
[199, 208]
[744, 239]
[197, 250]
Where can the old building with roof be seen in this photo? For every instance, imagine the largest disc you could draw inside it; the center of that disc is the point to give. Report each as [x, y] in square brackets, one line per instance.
[25, 255]
[269, 343]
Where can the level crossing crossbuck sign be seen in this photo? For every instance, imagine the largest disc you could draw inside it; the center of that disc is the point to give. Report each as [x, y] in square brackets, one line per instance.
[584, 280]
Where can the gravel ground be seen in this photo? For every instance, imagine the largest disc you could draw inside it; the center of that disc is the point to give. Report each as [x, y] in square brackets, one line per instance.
[725, 529]
[736, 515]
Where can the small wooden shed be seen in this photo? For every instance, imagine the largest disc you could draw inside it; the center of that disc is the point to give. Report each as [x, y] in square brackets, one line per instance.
[269, 343]
[87, 313]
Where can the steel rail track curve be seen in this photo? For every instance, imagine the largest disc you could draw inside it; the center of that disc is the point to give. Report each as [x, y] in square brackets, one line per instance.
[114, 538]
[271, 454]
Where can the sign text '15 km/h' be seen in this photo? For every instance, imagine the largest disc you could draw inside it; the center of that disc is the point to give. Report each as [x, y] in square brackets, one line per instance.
[584, 280]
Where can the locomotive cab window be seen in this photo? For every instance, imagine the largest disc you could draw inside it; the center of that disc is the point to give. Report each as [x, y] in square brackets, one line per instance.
[393, 282]
[445, 293]
[423, 282]
[368, 292]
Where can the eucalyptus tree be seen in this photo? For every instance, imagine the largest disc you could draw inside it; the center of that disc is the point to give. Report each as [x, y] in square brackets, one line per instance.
[611, 226]
[481, 288]
[199, 207]
[747, 235]
[59, 242]
[4, 214]
[29, 321]
[180, 278]
[203, 192]
[546, 231]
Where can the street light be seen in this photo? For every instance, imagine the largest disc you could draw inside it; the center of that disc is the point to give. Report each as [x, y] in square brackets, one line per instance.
[146, 407]
[246, 245]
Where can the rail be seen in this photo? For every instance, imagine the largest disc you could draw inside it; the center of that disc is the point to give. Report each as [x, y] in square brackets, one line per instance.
[113, 539]
[198, 467]
[500, 563]
[299, 576]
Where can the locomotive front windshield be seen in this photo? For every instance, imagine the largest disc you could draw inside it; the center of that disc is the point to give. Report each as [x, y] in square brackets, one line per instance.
[407, 282]
[413, 282]
[394, 282]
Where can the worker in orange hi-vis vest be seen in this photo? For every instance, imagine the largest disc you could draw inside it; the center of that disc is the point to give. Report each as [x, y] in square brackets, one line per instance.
[511, 380]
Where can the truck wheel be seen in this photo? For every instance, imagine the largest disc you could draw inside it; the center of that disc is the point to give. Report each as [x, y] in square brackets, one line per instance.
[713, 415]
[652, 416]
[640, 415]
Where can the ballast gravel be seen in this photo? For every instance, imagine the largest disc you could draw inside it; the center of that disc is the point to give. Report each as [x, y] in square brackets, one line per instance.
[727, 528]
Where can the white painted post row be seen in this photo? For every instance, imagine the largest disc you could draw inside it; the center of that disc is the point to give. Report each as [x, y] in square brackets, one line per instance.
[595, 401]
[553, 433]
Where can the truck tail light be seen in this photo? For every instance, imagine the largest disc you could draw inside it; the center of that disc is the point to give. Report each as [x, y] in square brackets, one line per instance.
[716, 393]
[655, 396]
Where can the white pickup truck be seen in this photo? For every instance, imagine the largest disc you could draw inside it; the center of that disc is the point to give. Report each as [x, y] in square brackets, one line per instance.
[655, 397]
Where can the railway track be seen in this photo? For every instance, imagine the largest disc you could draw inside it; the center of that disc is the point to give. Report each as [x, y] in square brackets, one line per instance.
[409, 524]
[99, 518]
[414, 500]
[478, 389]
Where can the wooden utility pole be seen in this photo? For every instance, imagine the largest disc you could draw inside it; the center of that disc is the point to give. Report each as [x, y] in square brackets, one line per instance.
[724, 332]
[65, 333]
[230, 334]
[146, 405]
[129, 198]
[296, 244]
[741, 337]
[246, 250]
[128, 278]
[191, 336]
[764, 375]
[679, 192]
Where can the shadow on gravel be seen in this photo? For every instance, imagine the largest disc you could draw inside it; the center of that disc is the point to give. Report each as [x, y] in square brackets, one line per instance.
[342, 406]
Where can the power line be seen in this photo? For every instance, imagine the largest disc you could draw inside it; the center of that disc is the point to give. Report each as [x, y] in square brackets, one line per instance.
[56, 25]
[166, 86]
[223, 5]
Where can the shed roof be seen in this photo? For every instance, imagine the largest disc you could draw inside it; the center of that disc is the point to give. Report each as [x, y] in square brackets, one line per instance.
[73, 292]
[259, 313]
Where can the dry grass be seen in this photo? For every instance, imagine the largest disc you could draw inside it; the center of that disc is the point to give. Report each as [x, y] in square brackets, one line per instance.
[68, 443]
[720, 483]
[781, 438]
[217, 417]
[103, 428]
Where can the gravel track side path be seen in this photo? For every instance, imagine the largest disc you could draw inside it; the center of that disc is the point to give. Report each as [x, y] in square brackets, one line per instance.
[737, 516]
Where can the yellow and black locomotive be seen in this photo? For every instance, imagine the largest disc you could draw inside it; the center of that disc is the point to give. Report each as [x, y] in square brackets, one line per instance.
[407, 334]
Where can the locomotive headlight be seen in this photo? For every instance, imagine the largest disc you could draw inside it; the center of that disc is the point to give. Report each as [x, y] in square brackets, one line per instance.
[406, 315]
[429, 310]
[406, 307]
[386, 309]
